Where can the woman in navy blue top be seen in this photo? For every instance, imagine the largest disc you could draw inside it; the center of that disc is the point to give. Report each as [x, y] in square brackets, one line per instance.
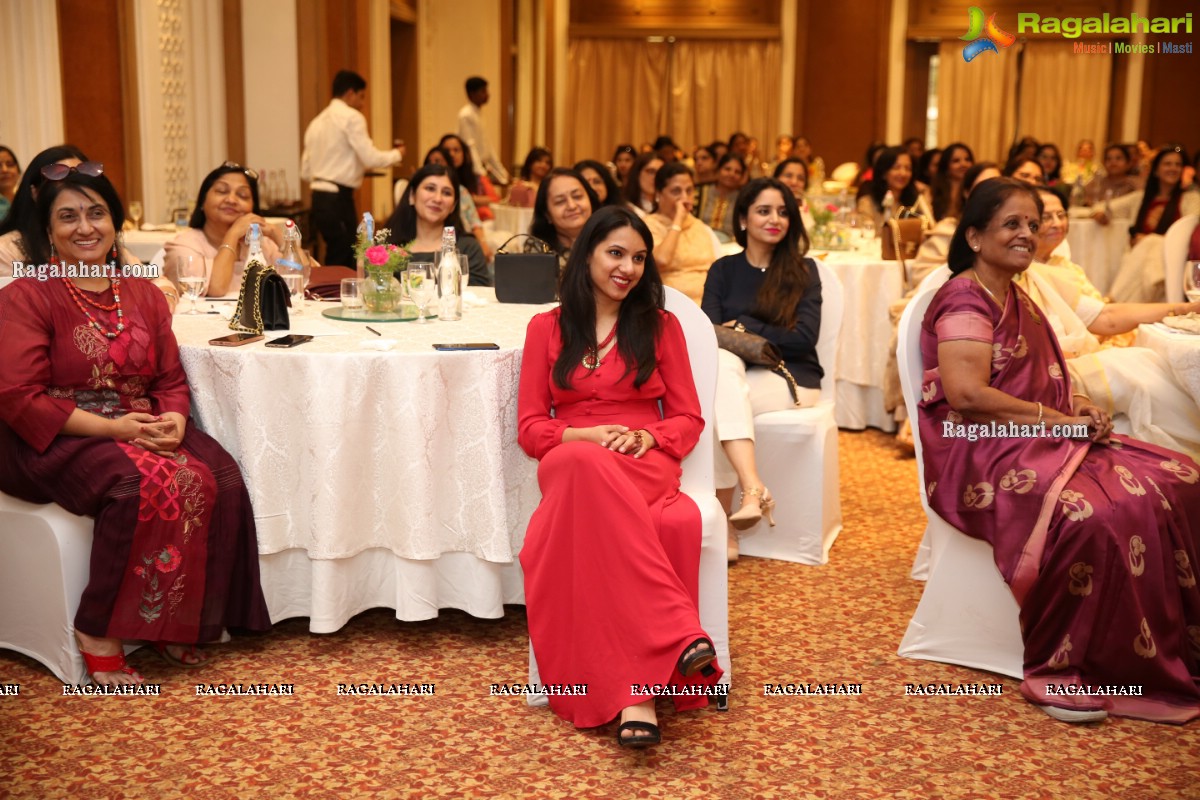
[772, 290]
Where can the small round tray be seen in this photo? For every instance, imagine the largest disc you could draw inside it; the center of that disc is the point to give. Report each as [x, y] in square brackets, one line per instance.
[406, 313]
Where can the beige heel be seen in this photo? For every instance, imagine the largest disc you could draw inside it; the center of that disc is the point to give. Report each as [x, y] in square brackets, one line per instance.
[768, 507]
[748, 515]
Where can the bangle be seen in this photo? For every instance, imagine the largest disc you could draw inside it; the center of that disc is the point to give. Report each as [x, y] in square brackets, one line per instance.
[1039, 422]
[171, 295]
[677, 228]
[227, 247]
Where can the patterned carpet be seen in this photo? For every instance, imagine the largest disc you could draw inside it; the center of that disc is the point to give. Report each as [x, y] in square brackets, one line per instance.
[790, 623]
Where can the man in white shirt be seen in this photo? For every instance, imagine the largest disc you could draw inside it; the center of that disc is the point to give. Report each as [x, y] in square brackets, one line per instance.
[337, 152]
[470, 130]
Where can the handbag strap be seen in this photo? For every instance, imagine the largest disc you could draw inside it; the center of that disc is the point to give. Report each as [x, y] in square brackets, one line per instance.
[782, 370]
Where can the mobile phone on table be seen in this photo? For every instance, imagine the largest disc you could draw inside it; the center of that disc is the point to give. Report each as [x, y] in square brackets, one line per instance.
[290, 340]
[235, 339]
[468, 346]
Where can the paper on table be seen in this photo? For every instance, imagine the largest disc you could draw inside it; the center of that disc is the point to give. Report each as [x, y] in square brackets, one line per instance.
[377, 344]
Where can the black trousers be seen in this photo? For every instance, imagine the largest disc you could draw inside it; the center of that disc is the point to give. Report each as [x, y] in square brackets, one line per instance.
[334, 217]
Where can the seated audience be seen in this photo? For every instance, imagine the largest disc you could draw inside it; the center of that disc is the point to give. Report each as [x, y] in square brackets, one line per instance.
[622, 162]
[783, 151]
[226, 207]
[10, 176]
[704, 161]
[429, 204]
[564, 203]
[639, 187]
[684, 247]
[892, 189]
[1051, 161]
[802, 149]
[793, 173]
[1027, 170]
[174, 553]
[1047, 506]
[608, 406]
[927, 168]
[466, 203]
[717, 199]
[1024, 149]
[772, 290]
[537, 166]
[946, 188]
[1116, 181]
[602, 182]
[1084, 167]
[1141, 276]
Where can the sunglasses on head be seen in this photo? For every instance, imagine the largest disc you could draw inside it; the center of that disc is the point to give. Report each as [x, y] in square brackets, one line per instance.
[249, 173]
[56, 172]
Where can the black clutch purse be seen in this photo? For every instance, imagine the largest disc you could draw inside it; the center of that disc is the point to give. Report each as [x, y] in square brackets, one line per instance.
[263, 301]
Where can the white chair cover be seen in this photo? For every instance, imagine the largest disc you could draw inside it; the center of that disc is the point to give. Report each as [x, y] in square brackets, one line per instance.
[697, 482]
[967, 614]
[1175, 252]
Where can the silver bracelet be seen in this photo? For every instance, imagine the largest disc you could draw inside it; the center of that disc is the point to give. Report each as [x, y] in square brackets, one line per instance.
[227, 247]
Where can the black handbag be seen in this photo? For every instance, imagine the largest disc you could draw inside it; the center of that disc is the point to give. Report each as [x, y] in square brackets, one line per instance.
[263, 301]
[757, 351]
[529, 277]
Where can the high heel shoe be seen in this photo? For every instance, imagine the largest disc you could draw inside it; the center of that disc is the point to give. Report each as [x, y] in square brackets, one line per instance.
[731, 547]
[748, 515]
[697, 657]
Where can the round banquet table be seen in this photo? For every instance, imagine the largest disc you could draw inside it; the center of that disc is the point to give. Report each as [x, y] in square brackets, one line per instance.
[379, 478]
[1181, 351]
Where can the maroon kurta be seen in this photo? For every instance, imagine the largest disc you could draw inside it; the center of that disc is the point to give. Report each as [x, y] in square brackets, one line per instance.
[1098, 542]
[174, 552]
[612, 554]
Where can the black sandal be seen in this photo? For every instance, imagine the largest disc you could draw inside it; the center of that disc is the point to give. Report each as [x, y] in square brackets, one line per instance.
[653, 734]
[700, 660]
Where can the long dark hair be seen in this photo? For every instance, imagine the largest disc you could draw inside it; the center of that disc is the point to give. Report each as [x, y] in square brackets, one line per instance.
[632, 189]
[35, 236]
[1017, 162]
[466, 171]
[199, 219]
[403, 222]
[1171, 212]
[971, 175]
[541, 226]
[943, 190]
[782, 165]
[535, 155]
[1053, 175]
[23, 210]
[883, 164]
[787, 278]
[979, 210]
[638, 322]
[611, 189]
[922, 168]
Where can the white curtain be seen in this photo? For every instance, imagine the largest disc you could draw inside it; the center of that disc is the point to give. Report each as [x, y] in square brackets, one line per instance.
[1064, 96]
[977, 100]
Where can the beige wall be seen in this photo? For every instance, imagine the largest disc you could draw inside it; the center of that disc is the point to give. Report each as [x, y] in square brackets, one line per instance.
[271, 83]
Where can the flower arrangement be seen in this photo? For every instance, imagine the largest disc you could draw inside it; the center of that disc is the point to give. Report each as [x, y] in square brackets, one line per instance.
[823, 215]
[379, 256]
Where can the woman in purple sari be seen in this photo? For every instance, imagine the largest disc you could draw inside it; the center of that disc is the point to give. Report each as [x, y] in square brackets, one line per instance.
[1096, 535]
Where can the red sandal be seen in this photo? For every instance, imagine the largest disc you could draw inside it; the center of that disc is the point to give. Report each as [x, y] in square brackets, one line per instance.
[108, 664]
[188, 650]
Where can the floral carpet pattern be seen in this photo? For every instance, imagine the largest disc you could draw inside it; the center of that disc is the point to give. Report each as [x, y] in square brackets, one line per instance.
[840, 623]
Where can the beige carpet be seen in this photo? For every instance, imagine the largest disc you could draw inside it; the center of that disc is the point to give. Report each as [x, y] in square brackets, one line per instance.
[790, 623]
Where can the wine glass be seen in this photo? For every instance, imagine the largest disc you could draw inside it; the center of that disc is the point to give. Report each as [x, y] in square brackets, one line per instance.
[135, 214]
[1191, 281]
[418, 278]
[191, 277]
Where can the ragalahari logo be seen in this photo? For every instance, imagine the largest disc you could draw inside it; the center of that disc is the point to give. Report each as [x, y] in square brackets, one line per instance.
[983, 36]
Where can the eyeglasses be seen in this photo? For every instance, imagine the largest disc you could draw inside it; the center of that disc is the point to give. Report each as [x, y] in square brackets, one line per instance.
[56, 172]
[249, 173]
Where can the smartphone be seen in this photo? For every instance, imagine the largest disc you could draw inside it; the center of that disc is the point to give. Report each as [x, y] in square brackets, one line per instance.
[468, 346]
[289, 341]
[235, 339]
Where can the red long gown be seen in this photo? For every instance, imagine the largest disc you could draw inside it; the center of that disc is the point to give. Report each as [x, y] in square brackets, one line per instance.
[612, 554]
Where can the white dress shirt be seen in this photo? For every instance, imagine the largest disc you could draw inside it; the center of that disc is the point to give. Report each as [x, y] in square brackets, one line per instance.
[470, 130]
[337, 149]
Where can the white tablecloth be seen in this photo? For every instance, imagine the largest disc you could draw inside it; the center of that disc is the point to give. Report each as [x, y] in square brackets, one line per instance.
[1098, 249]
[1181, 350]
[378, 478]
[144, 244]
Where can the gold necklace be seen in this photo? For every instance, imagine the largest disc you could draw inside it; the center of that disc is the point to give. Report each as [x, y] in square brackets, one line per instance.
[991, 294]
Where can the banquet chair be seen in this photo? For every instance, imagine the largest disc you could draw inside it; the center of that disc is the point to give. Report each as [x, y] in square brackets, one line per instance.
[696, 482]
[42, 577]
[920, 568]
[1175, 255]
[797, 454]
[967, 614]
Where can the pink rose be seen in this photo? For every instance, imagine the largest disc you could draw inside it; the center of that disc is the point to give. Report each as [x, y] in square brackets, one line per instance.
[831, 208]
[377, 255]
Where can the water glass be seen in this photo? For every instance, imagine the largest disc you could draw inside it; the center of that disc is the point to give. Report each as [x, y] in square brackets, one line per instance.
[191, 278]
[1191, 281]
[295, 284]
[352, 294]
[422, 286]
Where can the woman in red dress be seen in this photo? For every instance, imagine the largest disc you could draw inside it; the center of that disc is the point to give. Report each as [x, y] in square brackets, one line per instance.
[612, 554]
[93, 416]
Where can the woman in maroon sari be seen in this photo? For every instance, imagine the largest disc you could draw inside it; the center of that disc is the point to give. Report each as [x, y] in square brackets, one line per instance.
[612, 554]
[93, 416]
[1097, 536]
